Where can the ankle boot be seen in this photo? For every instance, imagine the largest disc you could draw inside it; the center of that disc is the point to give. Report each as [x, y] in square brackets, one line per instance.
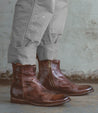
[52, 78]
[26, 89]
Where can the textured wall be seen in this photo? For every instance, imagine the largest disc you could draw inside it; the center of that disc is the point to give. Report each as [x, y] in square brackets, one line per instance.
[79, 43]
[6, 17]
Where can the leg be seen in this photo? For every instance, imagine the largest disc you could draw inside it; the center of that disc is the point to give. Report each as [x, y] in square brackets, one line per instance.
[30, 22]
[48, 47]
[50, 74]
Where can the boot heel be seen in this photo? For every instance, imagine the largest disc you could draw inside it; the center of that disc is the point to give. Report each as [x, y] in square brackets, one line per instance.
[18, 101]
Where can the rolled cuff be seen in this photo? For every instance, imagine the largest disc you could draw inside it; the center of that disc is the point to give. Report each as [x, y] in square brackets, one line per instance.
[24, 55]
[47, 52]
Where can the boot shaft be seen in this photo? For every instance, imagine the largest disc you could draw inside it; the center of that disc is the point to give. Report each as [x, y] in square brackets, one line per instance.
[24, 69]
[22, 74]
[49, 64]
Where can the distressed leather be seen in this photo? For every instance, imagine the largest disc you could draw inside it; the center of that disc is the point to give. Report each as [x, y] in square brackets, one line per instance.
[52, 78]
[26, 88]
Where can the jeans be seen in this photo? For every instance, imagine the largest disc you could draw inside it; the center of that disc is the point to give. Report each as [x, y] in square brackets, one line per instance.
[37, 27]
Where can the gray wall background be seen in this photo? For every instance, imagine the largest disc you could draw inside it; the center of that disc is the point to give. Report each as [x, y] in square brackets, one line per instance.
[78, 48]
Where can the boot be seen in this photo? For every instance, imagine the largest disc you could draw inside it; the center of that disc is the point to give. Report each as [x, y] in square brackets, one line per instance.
[52, 78]
[26, 89]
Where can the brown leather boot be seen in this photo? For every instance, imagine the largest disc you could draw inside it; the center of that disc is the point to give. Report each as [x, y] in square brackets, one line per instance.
[52, 78]
[26, 89]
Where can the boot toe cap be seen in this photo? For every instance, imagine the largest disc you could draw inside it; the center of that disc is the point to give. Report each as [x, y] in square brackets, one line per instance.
[61, 97]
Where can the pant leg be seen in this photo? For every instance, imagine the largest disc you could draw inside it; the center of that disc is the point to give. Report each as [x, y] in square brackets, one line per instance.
[31, 19]
[48, 47]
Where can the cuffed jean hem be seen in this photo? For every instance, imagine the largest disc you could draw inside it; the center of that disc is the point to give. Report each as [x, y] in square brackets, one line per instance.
[47, 52]
[25, 62]
[24, 55]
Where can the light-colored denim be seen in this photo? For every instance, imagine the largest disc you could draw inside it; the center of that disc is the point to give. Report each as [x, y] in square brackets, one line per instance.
[37, 26]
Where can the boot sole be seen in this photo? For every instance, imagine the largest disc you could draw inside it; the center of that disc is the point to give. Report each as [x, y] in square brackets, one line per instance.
[85, 93]
[49, 104]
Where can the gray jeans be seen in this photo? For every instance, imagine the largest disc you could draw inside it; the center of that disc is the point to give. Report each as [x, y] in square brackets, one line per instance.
[37, 26]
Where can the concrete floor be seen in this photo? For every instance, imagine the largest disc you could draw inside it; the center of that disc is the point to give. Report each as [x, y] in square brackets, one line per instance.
[81, 104]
